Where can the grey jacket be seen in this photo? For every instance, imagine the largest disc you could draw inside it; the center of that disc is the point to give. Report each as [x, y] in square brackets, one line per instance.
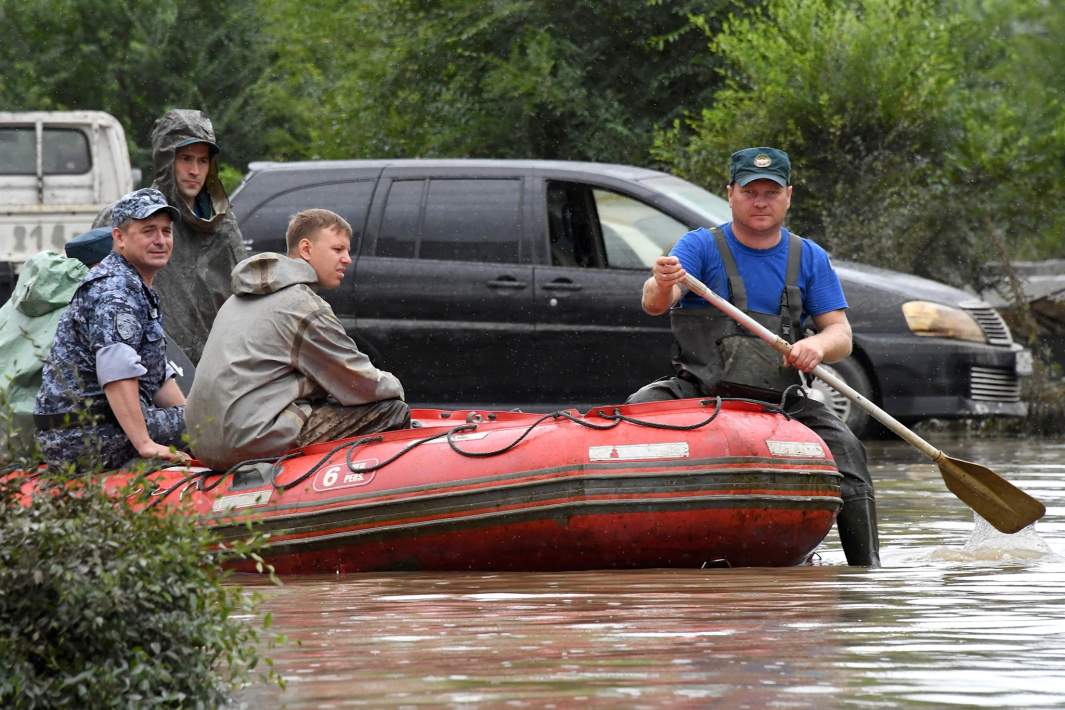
[195, 284]
[275, 350]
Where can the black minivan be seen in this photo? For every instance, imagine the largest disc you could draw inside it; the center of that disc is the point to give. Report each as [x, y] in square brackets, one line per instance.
[516, 283]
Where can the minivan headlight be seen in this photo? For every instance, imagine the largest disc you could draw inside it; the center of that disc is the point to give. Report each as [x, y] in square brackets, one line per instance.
[937, 320]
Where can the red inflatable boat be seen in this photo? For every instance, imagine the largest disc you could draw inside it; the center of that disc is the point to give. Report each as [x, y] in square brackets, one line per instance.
[687, 483]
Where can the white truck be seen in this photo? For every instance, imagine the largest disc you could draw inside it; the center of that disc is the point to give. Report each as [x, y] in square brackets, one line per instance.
[58, 169]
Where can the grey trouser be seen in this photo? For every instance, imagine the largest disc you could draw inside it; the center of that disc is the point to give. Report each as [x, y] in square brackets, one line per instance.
[334, 421]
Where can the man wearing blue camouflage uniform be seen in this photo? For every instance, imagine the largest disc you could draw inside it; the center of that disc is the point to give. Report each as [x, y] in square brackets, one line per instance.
[107, 395]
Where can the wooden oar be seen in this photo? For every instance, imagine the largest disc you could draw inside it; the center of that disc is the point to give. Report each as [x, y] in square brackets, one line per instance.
[997, 500]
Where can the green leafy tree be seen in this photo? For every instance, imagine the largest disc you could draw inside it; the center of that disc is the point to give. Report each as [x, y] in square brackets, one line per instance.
[583, 79]
[135, 59]
[1015, 127]
[907, 150]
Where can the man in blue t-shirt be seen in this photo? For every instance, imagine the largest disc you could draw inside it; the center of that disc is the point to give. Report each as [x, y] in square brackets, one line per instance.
[786, 283]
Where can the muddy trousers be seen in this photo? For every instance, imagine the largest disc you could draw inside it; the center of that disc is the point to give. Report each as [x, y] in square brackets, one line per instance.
[334, 421]
[856, 521]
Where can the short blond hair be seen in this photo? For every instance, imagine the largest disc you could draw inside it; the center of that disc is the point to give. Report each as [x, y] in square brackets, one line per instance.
[306, 223]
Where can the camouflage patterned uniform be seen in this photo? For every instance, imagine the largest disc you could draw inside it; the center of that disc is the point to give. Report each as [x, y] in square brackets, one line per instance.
[112, 307]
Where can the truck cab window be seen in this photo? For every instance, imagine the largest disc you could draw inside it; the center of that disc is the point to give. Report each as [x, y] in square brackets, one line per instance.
[591, 227]
[64, 151]
[574, 226]
[401, 222]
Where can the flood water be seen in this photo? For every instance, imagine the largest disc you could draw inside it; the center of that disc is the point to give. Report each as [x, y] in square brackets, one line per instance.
[959, 616]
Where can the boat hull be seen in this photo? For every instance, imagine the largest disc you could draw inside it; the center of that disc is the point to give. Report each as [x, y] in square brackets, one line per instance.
[691, 483]
[569, 497]
[681, 533]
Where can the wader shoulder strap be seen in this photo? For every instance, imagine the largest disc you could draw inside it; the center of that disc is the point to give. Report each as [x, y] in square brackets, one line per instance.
[791, 296]
[735, 283]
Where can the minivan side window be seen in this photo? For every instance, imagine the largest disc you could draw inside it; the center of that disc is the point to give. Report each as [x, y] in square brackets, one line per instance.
[594, 227]
[349, 199]
[453, 219]
[634, 233]
[64, 151]
[401, 223]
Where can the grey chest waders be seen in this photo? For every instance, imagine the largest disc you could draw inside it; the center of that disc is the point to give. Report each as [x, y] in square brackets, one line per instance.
[711, 349]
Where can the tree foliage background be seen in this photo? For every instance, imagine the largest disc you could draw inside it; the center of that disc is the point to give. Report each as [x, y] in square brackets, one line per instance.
[927, 135]
[923, 133]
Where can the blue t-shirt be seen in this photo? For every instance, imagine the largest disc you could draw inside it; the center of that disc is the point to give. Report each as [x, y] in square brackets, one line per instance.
[762, 270]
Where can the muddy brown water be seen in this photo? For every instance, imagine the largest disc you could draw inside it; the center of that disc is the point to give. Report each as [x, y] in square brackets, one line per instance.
[959, 616]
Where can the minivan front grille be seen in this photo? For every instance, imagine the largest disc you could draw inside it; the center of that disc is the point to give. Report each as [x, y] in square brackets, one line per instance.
[994, 384]
[995, 329]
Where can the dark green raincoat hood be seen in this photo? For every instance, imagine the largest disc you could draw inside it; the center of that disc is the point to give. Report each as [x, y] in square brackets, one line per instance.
[175, 129]
[195, 283]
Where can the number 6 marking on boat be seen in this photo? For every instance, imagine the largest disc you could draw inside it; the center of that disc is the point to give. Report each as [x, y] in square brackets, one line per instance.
[338, 476]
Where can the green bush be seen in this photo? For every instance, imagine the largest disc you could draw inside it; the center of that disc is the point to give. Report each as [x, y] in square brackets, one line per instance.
[105, 606]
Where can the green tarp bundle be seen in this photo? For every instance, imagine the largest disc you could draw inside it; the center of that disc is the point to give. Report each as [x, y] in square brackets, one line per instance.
[27, 328]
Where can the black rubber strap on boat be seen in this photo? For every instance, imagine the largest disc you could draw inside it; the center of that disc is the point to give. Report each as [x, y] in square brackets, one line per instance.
[618, 417]
[321, 462]
[401, 452]
[508, 447]
[800, 393]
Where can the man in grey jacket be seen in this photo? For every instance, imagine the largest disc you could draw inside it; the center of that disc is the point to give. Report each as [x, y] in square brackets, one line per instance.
[278, 371]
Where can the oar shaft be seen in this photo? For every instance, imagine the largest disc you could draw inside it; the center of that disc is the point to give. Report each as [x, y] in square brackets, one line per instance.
[784, 348]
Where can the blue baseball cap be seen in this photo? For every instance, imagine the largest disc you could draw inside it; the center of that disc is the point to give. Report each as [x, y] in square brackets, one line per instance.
[140, 204]
[90, 247]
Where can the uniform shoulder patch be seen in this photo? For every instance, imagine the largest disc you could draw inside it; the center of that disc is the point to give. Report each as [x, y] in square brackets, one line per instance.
[126, 326]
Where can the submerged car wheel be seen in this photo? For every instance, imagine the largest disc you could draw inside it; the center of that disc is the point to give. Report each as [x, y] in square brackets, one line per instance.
[852, 415]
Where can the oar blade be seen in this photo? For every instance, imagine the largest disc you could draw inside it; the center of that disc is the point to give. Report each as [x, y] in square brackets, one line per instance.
[999, 502]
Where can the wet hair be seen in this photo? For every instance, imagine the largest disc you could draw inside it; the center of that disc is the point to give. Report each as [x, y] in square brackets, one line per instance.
[306, 223]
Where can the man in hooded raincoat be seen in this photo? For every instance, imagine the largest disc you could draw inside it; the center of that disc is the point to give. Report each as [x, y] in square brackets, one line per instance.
[207, 240]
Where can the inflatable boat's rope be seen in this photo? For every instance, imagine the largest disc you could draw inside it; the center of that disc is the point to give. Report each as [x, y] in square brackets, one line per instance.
[352, 445]
[614, 417]
[618, 417]
[200, 476]
[800, 393]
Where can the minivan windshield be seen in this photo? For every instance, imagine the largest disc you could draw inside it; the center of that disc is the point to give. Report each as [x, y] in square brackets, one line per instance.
[714, 209]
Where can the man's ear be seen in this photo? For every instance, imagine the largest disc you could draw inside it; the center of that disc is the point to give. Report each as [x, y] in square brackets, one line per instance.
[303, 249]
